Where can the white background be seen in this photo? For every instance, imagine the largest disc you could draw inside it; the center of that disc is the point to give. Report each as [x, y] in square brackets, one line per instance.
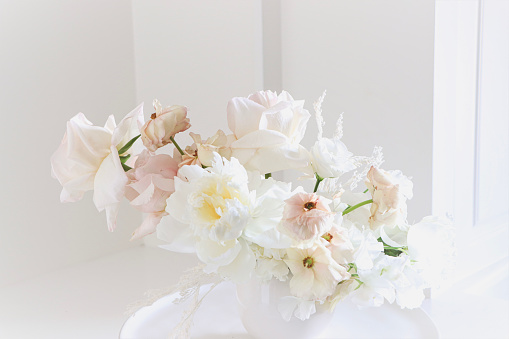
[58, 58]
[103, 57]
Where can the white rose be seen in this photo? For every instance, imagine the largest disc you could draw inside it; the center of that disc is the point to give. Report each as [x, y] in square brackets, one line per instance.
[88, 159]
[268, 129]
[330, 158]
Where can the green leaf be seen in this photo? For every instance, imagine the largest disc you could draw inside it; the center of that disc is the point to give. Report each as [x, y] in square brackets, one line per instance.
[128, 145]
[126, 168]
[268, 175]
[124, 158]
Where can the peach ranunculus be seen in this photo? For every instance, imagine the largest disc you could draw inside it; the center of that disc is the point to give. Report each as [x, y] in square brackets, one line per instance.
[267, 130]
[390, 190]
[87, 159]
[306, 217]
[163, 125]
[150, 184]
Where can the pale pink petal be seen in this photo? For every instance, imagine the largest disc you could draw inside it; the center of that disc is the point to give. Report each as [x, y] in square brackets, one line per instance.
[149, 225]
[264, 98]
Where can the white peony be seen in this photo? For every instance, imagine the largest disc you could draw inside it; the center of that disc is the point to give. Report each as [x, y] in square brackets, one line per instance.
[270, 264]
[215, 209]
[215, 202]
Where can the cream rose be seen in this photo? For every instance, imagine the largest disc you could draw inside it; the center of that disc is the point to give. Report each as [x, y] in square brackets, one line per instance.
[390, 190]
[267, 130]
[163, 125]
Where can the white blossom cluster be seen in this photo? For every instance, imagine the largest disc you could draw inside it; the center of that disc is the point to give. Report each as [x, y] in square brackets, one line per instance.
[216, 198]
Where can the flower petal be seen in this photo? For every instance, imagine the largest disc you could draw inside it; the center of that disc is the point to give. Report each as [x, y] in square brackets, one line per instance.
[109, 186]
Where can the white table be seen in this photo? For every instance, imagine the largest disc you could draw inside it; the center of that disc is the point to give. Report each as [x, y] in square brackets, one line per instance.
[89, 300]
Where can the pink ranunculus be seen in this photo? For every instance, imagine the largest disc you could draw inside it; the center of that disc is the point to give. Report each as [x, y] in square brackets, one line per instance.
[164, 124]
[150, 184]
[306, 217]
[390, 190]
[267, 131]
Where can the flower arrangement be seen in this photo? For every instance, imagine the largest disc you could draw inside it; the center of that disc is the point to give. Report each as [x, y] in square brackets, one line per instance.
[217, 198]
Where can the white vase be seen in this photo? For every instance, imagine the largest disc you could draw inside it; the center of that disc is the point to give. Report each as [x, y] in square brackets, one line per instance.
[260, 316]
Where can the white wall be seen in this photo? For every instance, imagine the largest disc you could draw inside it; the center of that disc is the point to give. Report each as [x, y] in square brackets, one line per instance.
[57, 58]
[375, 59]
[62, 57]
[197, 53]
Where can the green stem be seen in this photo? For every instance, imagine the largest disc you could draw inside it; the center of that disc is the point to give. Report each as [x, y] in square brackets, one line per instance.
[128, 145]
[354, 207]
[177, 146]
[318, 181]
[268, 175]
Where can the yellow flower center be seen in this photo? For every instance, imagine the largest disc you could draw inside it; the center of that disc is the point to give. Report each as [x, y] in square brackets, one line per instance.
[213, 201]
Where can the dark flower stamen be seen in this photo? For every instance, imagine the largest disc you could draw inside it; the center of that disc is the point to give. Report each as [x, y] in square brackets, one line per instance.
[309, 205]
[328, 237]
[308, 262]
